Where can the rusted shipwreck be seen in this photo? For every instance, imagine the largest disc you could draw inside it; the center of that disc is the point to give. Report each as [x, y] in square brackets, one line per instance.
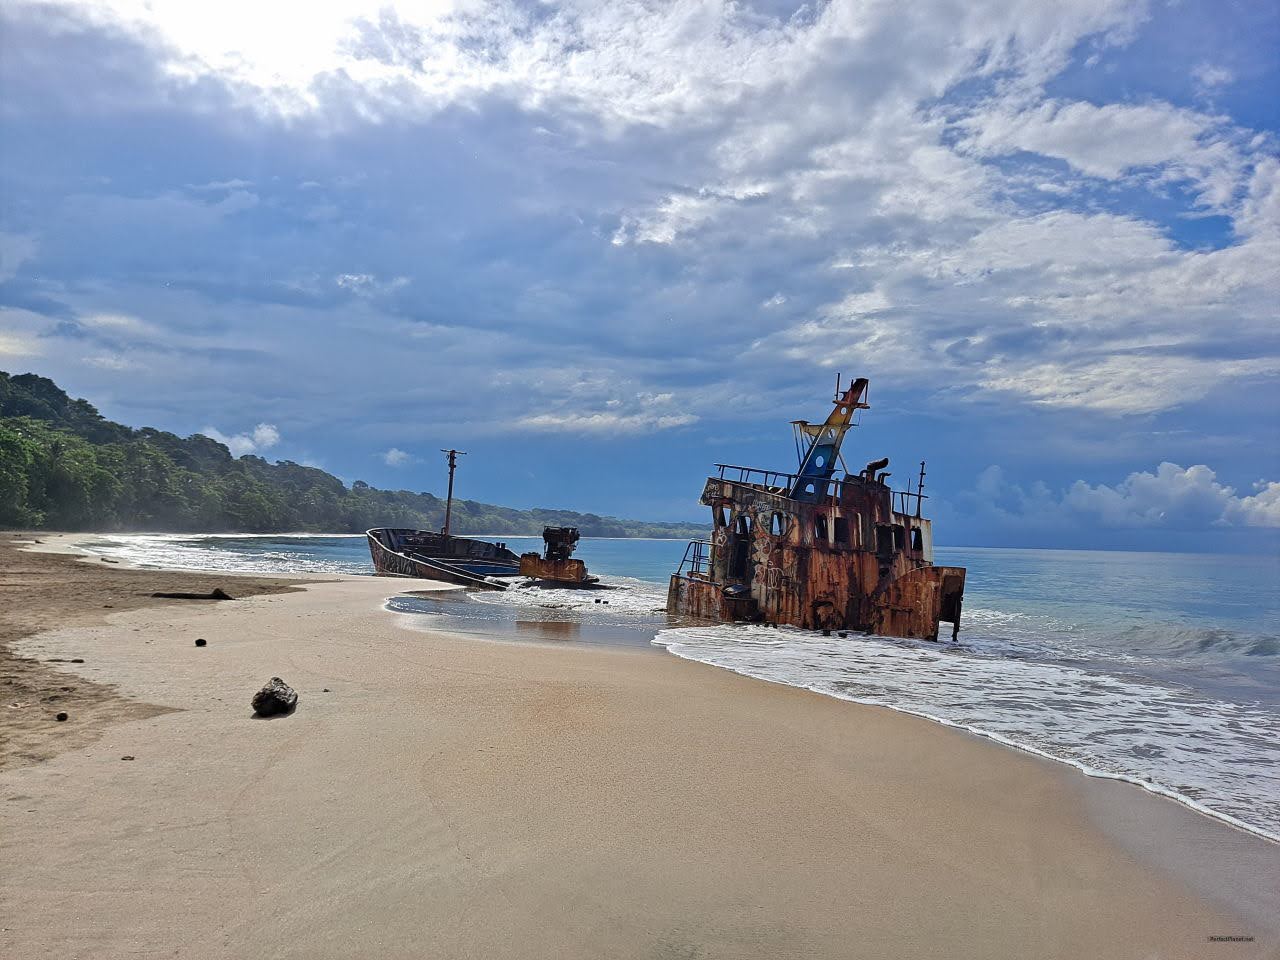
[477, 564]
[817, 551]
[556, 563]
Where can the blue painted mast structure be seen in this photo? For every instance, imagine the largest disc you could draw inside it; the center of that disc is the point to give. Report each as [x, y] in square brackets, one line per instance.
[818, 464]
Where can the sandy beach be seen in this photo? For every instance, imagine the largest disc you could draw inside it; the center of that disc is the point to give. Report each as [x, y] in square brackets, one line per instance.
[445, 796]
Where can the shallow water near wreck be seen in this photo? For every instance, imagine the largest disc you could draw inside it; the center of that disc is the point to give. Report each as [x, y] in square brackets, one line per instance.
[1163, 669]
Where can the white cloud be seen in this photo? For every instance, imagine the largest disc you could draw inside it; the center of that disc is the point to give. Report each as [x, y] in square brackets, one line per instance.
[365, 284]
[1211, 77]
[1261, 509]
[18, 345]
[1172, 497]
[640, 413]
[1105, 141]
[263, 437]
[395, 457]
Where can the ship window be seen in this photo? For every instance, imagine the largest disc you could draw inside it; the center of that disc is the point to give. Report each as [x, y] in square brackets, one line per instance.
[820, 528]
[917, 540]
[744, 525]
[842, 532]
[778, 525]
[718, 515]
[899, 537]
[809, 488]
[819, 460]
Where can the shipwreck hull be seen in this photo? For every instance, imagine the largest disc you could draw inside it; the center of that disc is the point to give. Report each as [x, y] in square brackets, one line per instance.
[849, 561]
[426, 555]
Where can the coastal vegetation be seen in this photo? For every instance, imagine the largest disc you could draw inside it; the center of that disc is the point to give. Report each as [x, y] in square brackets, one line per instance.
[63, 466]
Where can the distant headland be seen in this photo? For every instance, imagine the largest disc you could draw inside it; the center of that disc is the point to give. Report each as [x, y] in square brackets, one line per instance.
[63, 466]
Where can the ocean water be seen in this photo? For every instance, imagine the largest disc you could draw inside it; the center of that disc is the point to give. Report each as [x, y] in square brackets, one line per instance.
[1160, 669]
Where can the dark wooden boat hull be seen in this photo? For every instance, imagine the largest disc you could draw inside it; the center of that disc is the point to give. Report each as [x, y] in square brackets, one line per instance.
[400, 552]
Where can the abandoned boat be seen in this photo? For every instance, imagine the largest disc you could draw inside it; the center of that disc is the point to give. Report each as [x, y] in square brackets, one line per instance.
[439, 556]
[815, 551]
[399, 552]
[556, 564]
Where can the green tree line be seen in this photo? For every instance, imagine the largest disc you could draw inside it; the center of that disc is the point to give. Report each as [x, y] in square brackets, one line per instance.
[63, 466]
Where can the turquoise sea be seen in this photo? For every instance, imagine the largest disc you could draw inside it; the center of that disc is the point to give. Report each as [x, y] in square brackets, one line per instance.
[1162, 669]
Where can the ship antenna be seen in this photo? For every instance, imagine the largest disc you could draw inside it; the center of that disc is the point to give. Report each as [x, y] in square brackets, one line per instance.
[920, 491]
[448, 504]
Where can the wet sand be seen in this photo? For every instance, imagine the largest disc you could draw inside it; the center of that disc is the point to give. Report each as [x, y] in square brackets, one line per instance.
[42, 590]
[446, 796]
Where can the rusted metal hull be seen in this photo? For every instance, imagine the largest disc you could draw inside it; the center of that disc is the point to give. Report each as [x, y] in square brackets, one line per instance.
[570, 572]
[817, 552]
[788, 567]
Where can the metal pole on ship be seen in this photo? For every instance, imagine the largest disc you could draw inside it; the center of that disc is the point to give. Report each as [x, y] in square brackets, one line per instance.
[448, 505]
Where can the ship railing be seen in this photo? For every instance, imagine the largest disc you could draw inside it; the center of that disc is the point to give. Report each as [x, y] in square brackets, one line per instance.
[697, 559]
[773, 479]
[905, 502]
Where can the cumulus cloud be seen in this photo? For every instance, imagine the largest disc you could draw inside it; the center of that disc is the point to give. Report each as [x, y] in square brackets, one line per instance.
[1172, 497]
[395, 457]
[263, 437]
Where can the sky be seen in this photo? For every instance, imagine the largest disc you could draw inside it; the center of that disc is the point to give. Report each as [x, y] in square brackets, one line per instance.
[602, 246]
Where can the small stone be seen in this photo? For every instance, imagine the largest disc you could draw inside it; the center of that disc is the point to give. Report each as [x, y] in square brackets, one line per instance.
[325, 690]
[60, 717]
[597, 599]
[826, 633]
[78, 660]
[200, 641]
[127, 757]
[275, 698]
[843, 635]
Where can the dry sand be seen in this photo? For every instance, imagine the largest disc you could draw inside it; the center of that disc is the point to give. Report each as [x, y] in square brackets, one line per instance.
[454, 797]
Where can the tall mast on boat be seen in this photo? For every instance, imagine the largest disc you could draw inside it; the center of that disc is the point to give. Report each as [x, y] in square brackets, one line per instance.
[448, 504]
[819, 461]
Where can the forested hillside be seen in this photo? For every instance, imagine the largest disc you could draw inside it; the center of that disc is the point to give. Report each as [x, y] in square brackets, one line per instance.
[64, 467]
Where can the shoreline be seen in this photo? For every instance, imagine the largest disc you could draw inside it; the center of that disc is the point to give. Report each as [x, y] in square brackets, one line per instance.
[1147, 786]
[824, 760]
[70, 543]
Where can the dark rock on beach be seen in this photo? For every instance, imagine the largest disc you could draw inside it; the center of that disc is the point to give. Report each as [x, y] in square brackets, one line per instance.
[276, 697]
[200, 642]
[60, 717]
